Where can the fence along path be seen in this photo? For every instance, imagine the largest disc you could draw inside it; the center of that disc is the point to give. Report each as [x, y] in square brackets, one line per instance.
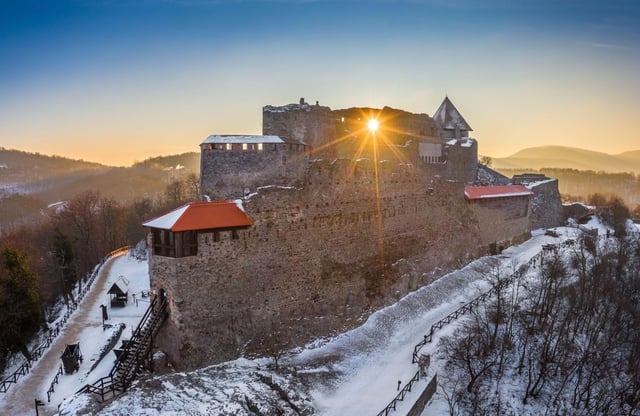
[468, 307]
[19, 400]
[132, 361]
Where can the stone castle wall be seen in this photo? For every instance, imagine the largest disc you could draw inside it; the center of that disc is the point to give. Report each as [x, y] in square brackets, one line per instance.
[546, 205]
[328, 134]
[460, 162]
[319, 258]
[336, 236]
[303, 123]
[225, 174]
[503, 222]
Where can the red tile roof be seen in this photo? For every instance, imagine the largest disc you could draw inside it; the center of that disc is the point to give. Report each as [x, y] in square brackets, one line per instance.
[202, 216]
[485, 192]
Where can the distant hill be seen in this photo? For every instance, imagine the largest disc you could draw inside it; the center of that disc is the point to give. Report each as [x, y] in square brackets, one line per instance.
[632, 156]
[124, 184]
[31, 181]
[189, 161]
[55, 178]
[19, 167]
[569, 158]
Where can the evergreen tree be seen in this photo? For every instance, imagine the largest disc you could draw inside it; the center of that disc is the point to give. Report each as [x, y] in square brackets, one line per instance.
[65, 262]
[20, 307]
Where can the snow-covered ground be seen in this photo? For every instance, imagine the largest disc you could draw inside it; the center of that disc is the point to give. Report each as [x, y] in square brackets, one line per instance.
[84, 327]
[354, 373]
[378, 355]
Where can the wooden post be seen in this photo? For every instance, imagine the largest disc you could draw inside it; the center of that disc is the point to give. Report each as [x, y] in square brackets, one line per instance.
[38, 403]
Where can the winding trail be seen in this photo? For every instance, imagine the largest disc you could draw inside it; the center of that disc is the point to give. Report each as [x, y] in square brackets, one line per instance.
[19, 400]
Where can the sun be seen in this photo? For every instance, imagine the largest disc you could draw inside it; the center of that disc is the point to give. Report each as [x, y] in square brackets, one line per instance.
[373, 125]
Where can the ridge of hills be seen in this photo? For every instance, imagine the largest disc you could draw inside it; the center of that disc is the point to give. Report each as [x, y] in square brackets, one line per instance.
[570, 158]
[55, 178]
[29, 182]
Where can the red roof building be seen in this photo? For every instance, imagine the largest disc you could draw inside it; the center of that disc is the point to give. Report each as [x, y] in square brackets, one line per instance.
[174, 234]
[196, 216]
[491, 192]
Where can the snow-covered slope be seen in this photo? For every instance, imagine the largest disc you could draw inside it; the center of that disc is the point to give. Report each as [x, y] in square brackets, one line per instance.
[354, 373]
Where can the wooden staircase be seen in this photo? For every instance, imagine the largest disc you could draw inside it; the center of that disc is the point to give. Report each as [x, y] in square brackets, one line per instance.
[133, 359]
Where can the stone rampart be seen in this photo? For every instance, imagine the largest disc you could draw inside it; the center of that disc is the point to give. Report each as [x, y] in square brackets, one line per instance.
[318, 259]
[546, 205]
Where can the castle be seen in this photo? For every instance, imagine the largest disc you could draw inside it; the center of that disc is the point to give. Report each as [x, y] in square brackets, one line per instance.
[321, 221]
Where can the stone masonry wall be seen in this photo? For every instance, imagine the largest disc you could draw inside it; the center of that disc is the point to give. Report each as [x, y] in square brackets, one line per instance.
[312, 125]
[546, 205]
[225, 174]
[502, 223]
[318, 259]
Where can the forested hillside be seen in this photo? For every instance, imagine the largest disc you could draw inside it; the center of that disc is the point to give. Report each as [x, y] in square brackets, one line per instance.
[30, 182]
[564, 338]
[49, 251]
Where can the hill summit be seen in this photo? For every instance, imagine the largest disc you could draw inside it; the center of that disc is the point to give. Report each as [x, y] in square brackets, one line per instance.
[570, 158]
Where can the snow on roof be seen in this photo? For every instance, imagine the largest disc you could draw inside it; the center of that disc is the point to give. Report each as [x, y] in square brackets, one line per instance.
[202, 216]
[300, 106]
[239, 138]
[448, 117]
[503, 191]
[465, 142]
[288, 107]
[531, 185]
[120, 287]
[238, 203]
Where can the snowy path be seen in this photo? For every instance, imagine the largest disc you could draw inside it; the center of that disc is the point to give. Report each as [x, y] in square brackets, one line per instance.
[19, 400]
[377, 355]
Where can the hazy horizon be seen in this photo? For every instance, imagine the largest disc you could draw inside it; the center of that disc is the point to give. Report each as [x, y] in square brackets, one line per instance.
[197, 151]
[118, 81]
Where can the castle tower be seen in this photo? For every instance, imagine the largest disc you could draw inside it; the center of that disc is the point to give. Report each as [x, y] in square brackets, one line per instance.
[231, 165]
[311, 125]
[449, 122]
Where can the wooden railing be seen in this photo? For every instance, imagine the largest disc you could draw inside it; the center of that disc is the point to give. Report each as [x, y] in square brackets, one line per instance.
[400, 396]
[53, 383]
[132, 360]
[468, 307]
[536, 260]
[37, 352]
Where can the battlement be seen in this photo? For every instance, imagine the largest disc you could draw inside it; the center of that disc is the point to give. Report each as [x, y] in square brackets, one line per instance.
[294, 134]
[301, 106]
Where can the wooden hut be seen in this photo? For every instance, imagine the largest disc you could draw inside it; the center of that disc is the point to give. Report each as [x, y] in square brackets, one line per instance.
[119, 292]
[71, 358]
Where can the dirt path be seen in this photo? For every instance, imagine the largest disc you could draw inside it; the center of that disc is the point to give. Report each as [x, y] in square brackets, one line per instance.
[19, 400]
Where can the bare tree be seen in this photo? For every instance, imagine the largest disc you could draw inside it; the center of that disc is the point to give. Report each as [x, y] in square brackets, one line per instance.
[192, 185]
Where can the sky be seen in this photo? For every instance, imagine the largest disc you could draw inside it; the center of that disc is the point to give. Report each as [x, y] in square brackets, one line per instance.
[118, 81]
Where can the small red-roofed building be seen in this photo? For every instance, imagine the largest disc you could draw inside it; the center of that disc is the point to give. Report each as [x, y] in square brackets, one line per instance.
[175, 234]
[503, 208]
[511, 200]
[474, 193]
